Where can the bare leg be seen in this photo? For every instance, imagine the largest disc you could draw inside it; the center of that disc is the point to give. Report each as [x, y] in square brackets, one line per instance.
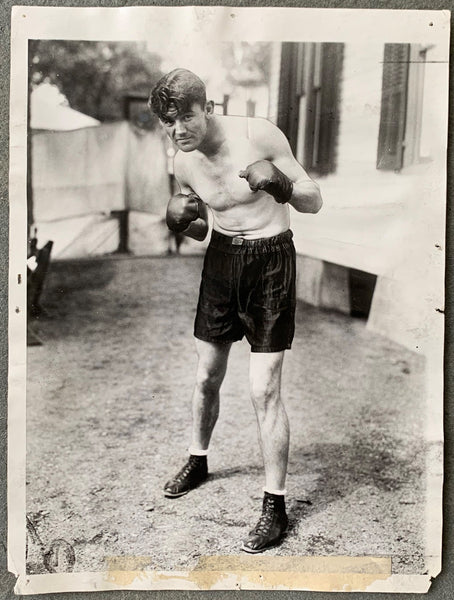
[273, 427]
[205, 400]
[265, 381]
[205, 409]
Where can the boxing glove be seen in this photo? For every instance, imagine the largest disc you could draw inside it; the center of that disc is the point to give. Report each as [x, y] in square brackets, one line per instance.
[263, 175]
[181, 211]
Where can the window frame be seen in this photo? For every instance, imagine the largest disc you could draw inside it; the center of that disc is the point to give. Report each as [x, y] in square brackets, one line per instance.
[309, 102]
[408, 122]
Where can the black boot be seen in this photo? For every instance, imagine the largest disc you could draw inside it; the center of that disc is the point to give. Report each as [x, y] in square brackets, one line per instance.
[271, 526]
[194, 472]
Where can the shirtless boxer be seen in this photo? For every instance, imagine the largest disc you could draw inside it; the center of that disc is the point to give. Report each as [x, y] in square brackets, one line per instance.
[243, 170]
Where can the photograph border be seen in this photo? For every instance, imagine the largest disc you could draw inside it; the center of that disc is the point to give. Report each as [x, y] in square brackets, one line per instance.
[314, 5]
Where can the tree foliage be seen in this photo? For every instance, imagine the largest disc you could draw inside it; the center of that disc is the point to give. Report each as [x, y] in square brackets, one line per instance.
[248, 63]
[94, 76]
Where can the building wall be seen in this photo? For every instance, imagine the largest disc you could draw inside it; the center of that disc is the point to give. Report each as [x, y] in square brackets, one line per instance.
[390, 224]
[360, 110]
[363, 207]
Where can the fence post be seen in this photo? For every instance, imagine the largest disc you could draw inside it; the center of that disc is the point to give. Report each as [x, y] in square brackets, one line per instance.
[123, 221]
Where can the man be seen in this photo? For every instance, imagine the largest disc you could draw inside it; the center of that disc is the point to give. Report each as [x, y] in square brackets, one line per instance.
[242, 169]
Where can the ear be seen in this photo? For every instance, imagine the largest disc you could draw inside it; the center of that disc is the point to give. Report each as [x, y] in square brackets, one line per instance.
[209, 107]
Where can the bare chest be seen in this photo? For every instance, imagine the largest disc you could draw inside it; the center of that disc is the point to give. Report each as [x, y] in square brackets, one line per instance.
[217, 181]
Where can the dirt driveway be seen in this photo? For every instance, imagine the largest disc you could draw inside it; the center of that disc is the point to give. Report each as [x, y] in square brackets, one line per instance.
[108, 420]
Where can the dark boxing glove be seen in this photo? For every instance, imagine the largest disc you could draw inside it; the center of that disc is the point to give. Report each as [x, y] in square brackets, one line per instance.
[263, 175]
[181, 211]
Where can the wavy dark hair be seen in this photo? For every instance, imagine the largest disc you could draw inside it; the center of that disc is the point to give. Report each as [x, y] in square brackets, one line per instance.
[176, 92]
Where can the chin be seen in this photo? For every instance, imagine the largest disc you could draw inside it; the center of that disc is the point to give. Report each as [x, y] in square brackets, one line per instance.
[190, 145]
[186, 148]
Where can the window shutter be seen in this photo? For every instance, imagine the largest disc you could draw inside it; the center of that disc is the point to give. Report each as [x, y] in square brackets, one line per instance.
[312, 115]
[323, 107]
[331, 73]
[393, 107]
[290, 82]
[319, 68]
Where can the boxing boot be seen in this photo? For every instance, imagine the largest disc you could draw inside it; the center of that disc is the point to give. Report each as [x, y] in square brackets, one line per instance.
[271, 526]
[193, 473]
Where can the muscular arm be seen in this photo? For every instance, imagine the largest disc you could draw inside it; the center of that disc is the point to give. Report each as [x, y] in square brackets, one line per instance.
[306, 197]
[197, 229]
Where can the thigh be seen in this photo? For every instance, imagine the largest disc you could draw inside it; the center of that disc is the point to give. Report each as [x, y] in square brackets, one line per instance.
[269, 316]
[216, 318]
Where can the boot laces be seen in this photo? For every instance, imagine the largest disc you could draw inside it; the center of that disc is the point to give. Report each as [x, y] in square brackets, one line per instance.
[266, 518]
[191, 465]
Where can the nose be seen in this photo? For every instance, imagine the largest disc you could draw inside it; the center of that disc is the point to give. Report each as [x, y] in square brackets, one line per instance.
[180, 128]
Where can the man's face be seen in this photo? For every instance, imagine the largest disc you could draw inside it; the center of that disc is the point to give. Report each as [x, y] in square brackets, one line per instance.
[187, 129]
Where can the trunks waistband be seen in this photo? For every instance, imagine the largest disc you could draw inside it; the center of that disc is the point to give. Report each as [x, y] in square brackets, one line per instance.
[239, 245]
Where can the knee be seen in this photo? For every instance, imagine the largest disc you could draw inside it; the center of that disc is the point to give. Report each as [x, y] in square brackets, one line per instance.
[263, 393]
[208, 379]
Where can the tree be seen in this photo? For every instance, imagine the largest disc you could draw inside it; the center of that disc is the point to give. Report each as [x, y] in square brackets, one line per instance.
[94, 76]
[248, 63]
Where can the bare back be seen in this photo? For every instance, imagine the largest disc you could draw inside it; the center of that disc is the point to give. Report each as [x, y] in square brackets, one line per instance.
[236, 209]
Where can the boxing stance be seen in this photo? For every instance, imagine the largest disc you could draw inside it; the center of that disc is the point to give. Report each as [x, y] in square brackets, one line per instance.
[243, 171]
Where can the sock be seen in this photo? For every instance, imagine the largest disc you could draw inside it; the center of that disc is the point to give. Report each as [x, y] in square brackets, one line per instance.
[275, 492]
[278, 499]
[197, 452]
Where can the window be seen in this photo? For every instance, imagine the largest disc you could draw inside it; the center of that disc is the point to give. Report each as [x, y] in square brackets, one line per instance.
[309, 97]
[399, 135]
[393, 107]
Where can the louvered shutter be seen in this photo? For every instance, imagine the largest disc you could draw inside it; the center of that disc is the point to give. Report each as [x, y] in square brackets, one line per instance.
[290, 78]
[331, 73]
[323, 114]
[320, 67]
[393, 107]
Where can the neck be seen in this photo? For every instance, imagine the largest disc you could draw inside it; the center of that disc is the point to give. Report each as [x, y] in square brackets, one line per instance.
[214, 139]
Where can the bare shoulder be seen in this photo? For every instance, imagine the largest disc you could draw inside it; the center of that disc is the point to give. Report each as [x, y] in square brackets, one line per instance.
[261, 131]
[264, 131]
[268, 139]
[179, 160]
[248, 125]
[182, 170]
[180, 166]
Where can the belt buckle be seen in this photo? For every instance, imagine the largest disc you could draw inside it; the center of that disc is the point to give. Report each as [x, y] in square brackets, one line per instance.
[237, 241]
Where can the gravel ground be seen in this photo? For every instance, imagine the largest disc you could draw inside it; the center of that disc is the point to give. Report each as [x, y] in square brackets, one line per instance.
[108, 420]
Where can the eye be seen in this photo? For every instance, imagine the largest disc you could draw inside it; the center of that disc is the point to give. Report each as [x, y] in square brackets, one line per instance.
[187, 118]
[168, 123]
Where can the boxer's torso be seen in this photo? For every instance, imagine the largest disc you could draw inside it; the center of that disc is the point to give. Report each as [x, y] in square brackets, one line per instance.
[236, 209]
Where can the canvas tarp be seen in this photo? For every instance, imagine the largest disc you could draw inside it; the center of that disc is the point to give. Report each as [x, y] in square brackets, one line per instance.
[80, 176]
[147, 181]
